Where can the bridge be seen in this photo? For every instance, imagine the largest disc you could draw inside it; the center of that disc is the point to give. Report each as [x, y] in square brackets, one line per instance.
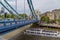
[8, 26]
[11, 25]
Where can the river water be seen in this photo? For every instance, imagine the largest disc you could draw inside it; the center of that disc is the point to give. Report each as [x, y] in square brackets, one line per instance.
[23, 36]
[32, 37]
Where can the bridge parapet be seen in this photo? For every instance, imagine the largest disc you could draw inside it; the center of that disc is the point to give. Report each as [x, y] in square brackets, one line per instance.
[10, 25]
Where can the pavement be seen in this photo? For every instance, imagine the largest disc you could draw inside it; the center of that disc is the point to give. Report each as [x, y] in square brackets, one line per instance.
[13, 33]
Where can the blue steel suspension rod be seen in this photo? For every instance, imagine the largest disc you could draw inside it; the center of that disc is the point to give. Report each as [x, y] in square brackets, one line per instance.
[31, 8]
[8, 9]
[11, 8]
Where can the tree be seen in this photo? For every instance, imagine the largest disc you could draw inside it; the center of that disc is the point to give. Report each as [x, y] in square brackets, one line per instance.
[45, 19]
[52, 21]
[58, 21]
[12, 16]
[8, 16]
[1, 16]
[23, 15]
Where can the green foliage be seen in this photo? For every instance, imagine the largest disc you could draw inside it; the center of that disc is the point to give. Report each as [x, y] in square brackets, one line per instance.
[12, 16]
[8, 16]
[52, 21]
[45, 18]
[23, 15]
[1, 16]
[58, 20]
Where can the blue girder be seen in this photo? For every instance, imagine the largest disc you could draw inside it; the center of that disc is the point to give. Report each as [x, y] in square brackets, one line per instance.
[16, 25]
[12, 8]
[21, 23]
[32, 8]
[8, 9]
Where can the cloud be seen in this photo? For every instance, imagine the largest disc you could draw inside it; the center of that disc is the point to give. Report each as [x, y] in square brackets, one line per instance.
[45, 5]
[42, 5]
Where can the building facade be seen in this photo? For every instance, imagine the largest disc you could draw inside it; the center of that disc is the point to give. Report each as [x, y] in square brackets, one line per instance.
[53, 15]
[37, 13]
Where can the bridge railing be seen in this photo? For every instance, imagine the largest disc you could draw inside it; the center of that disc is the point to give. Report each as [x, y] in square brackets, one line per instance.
[8, 25]
[15, 22]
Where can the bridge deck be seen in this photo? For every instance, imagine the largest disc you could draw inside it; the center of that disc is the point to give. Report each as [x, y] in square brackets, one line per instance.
[7, 28]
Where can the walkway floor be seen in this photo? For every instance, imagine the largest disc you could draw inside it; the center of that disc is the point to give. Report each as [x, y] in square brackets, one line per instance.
[13, 33]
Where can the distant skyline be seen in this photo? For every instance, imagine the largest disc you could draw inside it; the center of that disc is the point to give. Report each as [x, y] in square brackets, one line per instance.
[41, 5]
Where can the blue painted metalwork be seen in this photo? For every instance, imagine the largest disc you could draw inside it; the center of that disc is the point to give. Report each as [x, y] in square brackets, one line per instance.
[8, 9]
[32, 8]
[21, 23]
[12, 8]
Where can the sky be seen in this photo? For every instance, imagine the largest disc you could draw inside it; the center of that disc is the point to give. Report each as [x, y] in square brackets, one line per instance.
[41, 5]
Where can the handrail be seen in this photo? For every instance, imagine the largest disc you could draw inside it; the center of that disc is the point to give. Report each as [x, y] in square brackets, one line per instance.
[27, 21]
[16, 25]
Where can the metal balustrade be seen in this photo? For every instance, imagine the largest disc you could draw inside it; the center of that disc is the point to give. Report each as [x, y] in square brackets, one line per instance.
[9, 25]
